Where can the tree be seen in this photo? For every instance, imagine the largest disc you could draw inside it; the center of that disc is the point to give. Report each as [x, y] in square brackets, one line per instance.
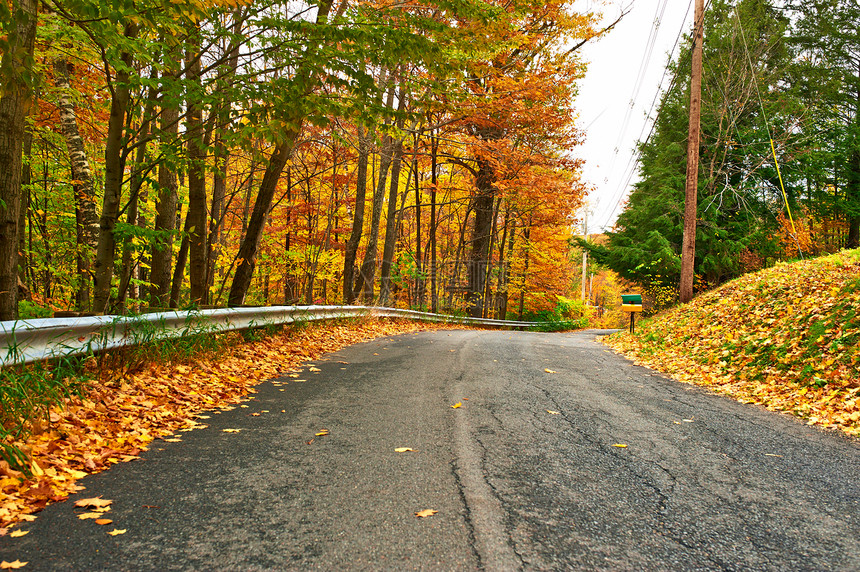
[16, 99]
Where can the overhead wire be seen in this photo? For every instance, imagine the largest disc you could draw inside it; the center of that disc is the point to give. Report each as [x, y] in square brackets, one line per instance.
[634, 157]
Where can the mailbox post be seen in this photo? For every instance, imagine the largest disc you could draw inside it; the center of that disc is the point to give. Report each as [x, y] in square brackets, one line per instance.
[631, 303]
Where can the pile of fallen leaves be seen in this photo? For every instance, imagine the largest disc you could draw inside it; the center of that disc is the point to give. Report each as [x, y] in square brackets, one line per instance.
[786, 337]
[122, 412]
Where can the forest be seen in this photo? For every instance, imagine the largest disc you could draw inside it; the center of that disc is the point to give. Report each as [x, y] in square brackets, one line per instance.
[205, 154]
[780, 102]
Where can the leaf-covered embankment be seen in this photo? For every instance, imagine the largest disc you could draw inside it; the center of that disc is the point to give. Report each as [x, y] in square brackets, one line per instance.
[786, 337]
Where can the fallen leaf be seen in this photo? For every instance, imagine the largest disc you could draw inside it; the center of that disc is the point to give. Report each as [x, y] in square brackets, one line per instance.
[230, 430]
[425, 513]
[117, 531]
[687, 420]
[551, 412]
[549, 370]
[12, 565]
[621, 445]
[103, 521]
[19, 533]
[771, 455]
[404, 450]
[456, 405]
[314, 369]
[255, 414]
[322, 433]
[173, 440]
[94, 502]
[87, 515]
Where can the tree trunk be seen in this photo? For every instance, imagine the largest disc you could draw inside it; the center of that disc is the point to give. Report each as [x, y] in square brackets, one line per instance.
[434, 295]
[165, 207]
[482, 204]
[179, 269]
[367, 274]
[357, 218]
[128, 266]
[852, 190]
[251, 242]
[106, 251]
[390, 226]
[85, 206]
[197, 216]
[420, 286]
[15, 103]
[216, 215]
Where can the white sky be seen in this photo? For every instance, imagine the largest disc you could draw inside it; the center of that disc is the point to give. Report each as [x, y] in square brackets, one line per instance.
[606, 93]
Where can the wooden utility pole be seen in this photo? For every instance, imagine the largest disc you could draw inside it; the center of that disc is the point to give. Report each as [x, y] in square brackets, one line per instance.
[584, 253]
[688, 246]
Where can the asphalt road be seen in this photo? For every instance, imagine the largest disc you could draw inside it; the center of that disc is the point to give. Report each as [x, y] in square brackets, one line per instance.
[704, 483]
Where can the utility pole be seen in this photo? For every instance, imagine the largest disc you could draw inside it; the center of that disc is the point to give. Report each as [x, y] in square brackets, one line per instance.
[688, 246]
[584, 252]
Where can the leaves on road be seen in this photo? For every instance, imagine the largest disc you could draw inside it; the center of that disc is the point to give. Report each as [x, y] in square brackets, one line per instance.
[103, 521]
[12, 565]
[119, 414]
[551, 412]
[620, 445]
[321, 433]
[457, 405]
[19, 533]
[550, 370]
[118, 531]
[426, 512]
[231, 430]
[404, 450]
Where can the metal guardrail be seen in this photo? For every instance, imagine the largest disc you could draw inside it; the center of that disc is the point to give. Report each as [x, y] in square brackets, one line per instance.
[28, 341]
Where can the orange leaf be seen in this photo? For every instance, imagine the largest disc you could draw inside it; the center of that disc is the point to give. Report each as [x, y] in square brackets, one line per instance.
[456, 405]
[12, 565]
[425, 513]
[103, 521]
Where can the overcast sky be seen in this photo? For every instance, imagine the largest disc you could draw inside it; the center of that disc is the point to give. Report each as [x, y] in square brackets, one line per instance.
[605, 95]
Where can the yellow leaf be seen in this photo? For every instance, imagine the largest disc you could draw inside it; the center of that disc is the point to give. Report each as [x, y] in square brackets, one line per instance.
[12, 565]
[549, 370]
[19, 533]
[86, 515]
[621, 445]
[231, 430]
[404, 450]
[551, 412]
[425, 513]
[322, 433]
[117, 531]
[94, 502]
[314, 369]
[456, 405]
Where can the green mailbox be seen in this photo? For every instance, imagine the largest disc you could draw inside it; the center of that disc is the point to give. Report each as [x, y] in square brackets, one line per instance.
[631, 302]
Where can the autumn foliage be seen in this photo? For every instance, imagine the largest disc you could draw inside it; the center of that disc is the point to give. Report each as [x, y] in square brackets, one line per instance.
[787, 338]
